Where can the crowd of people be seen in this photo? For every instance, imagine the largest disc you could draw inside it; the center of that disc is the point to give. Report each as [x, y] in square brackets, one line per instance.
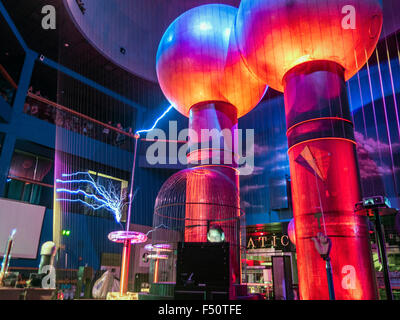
[74, 123]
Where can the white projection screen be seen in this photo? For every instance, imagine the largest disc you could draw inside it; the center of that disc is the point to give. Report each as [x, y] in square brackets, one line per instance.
[28, 220]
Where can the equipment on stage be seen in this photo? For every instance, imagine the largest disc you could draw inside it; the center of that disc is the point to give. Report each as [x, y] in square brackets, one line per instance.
[215, 234]
[10, 279]
[47, 253]
[376, 207]
[106, 283]
[141, 282]
[7, 256]
[282, 278]
[85, 275]
[202, 271]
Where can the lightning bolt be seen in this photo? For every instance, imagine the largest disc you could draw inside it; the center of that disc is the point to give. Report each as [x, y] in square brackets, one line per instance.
[158, 227]
[155, 123]
[105, 199]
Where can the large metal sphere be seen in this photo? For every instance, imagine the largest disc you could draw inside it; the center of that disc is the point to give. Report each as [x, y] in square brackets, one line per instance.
[198, 60]
[274, 36]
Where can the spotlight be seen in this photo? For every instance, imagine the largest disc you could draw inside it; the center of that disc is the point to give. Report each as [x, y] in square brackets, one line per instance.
[122, 50]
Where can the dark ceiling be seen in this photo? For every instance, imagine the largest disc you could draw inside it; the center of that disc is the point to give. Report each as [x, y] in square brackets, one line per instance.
[79, 56]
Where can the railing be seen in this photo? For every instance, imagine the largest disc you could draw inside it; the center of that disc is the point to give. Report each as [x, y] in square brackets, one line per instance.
[66, 118]
[30, 181]
[59, 115]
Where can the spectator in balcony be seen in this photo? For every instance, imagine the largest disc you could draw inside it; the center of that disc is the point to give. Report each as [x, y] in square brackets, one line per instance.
[106, 133]
[54, 113]
[27, 107]
[84, 129]
[90, 129]
[46, 115]
[127, 141]
[76, 124]
[35, 110]
[120, 137]
[68, 124]
[59, 118]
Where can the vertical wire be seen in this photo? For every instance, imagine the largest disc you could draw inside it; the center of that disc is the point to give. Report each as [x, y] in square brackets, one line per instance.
[362, 104]
[386, 122]
[392, 85]
[374, 111]
[319, 198]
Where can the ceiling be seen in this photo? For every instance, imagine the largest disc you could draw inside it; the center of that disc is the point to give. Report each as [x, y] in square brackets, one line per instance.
[138, 25]
[80, 55]
[135, 25]
[109, 25]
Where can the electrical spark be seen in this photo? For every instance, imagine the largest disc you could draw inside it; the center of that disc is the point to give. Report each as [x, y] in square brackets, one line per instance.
[103, 198]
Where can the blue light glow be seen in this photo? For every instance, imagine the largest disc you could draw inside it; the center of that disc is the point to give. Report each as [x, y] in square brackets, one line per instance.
[205, 26]
[106, 199]
[155, 123]
[227, 33]
[158, 227]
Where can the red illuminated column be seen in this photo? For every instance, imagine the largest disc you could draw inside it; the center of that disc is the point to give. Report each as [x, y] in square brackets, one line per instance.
[126, 253]
[325, 183]
[212, 142]
[156, 265]
[202, 73]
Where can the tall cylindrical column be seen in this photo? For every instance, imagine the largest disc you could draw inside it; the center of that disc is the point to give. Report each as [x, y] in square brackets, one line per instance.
[126, 253]
[212, 143]
[325, 183]
[202, 73]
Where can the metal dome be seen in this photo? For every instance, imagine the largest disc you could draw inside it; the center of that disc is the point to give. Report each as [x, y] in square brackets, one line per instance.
[198, 60]
[275, 36]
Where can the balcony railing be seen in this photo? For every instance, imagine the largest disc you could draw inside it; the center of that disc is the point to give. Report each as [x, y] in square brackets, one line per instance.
[66, 118]
[59, 115]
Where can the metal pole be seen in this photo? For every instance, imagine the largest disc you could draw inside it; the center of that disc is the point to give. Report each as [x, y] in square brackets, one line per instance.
[128, 220]
[126, 252]
[330, 279]
[382, 251]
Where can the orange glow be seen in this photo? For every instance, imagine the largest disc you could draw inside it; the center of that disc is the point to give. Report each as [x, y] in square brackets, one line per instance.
[125, 267]
[156, 270]
[275, 36]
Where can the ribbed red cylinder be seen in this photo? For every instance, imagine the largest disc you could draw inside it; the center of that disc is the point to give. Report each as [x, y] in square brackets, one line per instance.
[325, 184]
